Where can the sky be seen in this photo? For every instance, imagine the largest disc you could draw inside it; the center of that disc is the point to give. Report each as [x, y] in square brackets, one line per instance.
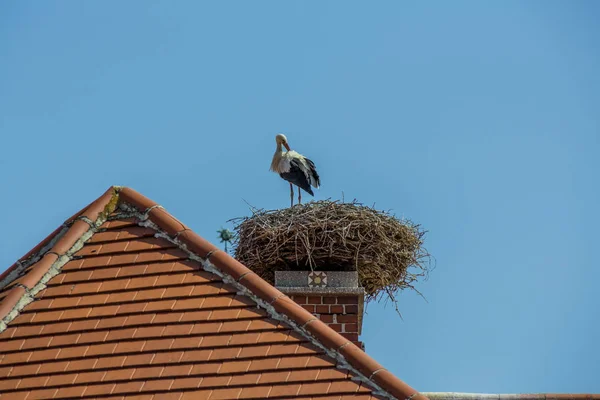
[478, 120]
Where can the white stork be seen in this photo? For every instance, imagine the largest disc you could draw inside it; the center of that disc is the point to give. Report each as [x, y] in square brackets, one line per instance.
[294, 168]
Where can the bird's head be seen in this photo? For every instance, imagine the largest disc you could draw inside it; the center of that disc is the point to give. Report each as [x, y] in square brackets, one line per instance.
[281, 139]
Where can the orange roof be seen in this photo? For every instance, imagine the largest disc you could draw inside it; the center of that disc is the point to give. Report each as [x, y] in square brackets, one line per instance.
[124, 301]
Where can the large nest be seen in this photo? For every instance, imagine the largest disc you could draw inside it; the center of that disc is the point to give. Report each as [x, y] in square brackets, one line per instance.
[328, 235]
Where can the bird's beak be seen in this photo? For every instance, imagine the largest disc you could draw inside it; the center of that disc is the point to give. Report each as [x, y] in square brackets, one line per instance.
[287, 146]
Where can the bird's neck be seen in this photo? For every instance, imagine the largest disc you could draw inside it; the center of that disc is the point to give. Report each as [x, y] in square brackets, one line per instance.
[276, 158]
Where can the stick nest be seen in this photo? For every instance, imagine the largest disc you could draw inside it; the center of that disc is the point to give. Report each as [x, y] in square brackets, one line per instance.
[329, 235]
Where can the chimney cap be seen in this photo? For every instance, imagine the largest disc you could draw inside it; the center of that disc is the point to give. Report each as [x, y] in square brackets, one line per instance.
[317, 279]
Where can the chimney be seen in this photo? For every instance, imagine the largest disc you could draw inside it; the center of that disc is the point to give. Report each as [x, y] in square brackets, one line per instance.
[332, 296]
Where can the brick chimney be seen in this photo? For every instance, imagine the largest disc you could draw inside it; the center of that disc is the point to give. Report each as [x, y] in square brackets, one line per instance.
[333, 296]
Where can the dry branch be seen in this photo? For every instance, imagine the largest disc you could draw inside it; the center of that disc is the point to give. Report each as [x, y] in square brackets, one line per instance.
[329, 235]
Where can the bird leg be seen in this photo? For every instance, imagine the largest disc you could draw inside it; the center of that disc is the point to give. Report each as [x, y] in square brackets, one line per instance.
[299, 196]
[291, 195]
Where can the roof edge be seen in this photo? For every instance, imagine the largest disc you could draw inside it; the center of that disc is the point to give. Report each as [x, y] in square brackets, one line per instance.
[356, 357]
[46, 259]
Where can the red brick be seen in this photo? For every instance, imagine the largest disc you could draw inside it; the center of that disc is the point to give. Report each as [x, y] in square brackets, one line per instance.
[350, 328]
[299, 299]
[314, 300]
[336, 327]
[351, 309]
[322, 309]
[329, 300]
[327, 318]
[348, 300]
[347, 318]
[336, 309]
[351, 336]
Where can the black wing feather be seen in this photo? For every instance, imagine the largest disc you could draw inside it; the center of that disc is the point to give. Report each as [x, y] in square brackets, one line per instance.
[313, 171]
[297, 177]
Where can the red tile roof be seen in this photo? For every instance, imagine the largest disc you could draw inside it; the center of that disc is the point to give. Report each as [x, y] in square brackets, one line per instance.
[124, 301]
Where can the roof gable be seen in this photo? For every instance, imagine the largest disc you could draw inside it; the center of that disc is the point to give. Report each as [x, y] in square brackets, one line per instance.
[124, 300]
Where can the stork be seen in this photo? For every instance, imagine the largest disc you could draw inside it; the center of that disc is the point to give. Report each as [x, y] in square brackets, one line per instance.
[294, 168]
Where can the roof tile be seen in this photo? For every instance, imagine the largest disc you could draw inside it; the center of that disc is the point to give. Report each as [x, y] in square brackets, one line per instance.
[133, 316]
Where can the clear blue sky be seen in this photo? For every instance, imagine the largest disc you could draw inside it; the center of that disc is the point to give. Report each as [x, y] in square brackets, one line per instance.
[479, 120]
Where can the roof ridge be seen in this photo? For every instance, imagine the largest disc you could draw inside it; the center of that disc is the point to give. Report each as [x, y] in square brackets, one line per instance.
[47, 258]
[57, 249]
